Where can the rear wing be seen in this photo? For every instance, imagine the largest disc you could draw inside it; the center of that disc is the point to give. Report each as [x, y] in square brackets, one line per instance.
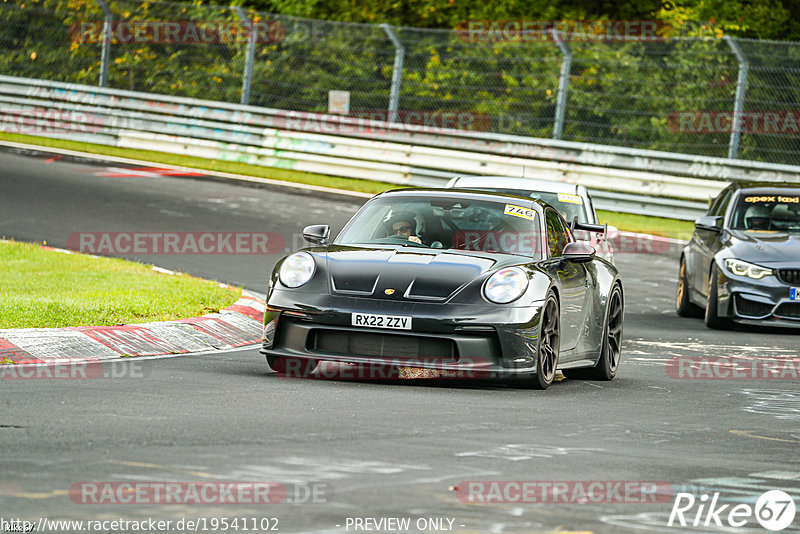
[598, 228]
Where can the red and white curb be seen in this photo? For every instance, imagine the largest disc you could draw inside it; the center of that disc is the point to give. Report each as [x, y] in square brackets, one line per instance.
[236, 326]
[146, 172]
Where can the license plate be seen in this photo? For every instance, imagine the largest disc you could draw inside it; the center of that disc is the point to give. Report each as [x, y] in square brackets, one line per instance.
[794, 293]
[397, 322]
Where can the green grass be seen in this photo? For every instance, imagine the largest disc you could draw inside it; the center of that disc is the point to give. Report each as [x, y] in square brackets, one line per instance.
[287, 175]
[647, 225]
[623, 221]
[42, 288]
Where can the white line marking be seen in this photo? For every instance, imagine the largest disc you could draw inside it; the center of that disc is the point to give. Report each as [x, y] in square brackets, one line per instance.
[241, 177]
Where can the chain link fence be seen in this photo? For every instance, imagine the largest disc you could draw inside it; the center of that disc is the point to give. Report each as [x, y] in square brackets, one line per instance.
[718, 96]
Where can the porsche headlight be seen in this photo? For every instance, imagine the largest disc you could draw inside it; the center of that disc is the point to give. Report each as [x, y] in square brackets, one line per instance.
[506, 285]
[297, 269]
[742, 268]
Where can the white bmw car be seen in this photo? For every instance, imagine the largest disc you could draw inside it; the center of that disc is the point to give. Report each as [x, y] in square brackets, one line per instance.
[572, 200]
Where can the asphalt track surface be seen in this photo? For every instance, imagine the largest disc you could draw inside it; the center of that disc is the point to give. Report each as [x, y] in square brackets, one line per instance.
[374, 449]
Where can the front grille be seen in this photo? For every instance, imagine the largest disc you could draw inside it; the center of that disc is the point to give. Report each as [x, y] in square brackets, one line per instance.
[789, 309]
[789, 276]
[751, 308]
[392, 346]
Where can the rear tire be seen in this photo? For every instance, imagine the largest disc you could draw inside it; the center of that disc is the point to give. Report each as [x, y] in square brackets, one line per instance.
[684, 305]
[611, 347]
[549, 345]
[712, 318]
[291, 367]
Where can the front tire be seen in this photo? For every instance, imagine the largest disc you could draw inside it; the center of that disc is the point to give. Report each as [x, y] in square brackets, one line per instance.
[291, 367]
[549, 344]
[712, 318]
[684, 306]
[611, 347]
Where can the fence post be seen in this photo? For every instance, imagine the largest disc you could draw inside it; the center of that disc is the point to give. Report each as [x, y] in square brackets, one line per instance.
[247, 77]
[738, 106]
[397, 71]
[563, 84]
[105, 54]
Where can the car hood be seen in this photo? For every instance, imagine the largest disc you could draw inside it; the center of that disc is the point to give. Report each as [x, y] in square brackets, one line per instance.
[765, 248]
[406, 272]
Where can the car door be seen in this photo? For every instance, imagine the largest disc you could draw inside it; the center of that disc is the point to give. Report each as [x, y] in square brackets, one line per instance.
[573, 280]
[705, 244]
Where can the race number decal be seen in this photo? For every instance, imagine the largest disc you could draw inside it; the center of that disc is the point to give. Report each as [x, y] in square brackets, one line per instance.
[519, 211]
[572, 199]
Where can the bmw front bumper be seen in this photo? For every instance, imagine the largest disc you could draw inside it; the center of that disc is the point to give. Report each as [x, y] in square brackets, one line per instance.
[767, 301]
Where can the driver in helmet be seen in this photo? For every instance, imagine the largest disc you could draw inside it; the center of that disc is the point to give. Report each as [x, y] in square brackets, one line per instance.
[757, 218]
[405, 225]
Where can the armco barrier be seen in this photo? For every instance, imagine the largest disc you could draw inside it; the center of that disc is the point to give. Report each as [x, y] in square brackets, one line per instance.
[621, 179]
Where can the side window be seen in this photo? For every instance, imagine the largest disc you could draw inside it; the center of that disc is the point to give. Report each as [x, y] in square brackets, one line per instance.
[558, 235]
[720, 205]
[723, 206]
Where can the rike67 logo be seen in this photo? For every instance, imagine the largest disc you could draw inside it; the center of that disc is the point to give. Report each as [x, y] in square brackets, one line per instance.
[774, 510]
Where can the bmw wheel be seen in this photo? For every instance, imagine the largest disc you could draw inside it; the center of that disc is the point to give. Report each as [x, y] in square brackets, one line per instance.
[712, 318]
[684, 305]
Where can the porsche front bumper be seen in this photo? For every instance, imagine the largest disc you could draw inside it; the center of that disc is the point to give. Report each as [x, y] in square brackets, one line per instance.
[482, 338]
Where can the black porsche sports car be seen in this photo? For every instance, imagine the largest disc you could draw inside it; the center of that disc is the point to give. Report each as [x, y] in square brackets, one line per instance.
[447, 279]
[743, 261]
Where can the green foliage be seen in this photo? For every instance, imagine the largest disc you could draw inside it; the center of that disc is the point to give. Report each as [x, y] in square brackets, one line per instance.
[229, 167]
[765, 19]
[629, 222]
[48, 289]
[623, 93]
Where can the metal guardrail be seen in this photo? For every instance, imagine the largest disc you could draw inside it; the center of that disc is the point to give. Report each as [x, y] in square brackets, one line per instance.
[621, 179]
[687, 87]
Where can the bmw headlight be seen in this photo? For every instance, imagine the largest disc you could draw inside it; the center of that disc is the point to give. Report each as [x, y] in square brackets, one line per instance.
[742, 268]
[506, 285]
[297, 269]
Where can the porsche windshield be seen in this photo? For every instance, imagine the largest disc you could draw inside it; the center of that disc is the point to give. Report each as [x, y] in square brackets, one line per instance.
[768, 212]
[570, 206]
[447, 222]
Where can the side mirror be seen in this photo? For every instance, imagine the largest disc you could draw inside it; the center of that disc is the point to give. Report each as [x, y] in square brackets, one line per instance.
[578, 252]
[317, 234]
[711, 223]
